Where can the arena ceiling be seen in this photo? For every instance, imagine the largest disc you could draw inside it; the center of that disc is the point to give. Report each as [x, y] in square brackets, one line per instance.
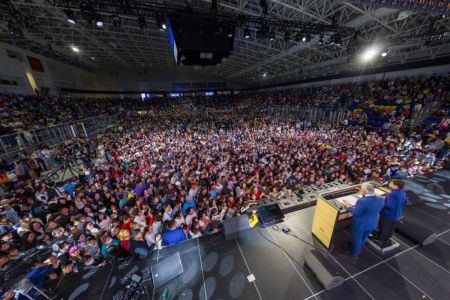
[407, 35]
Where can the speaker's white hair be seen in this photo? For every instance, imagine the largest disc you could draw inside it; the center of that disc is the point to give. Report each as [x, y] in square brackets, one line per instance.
[368, 187]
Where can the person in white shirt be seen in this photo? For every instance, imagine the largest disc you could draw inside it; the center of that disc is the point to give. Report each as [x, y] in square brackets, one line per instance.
[167, 212]
[191, 214]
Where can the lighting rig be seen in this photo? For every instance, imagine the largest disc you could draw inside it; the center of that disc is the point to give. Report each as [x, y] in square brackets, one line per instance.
[441, 7]
[265, 24]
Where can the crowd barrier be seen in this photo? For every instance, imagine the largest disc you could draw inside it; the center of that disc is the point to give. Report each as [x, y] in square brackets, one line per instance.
[313, 114]
[12, 144]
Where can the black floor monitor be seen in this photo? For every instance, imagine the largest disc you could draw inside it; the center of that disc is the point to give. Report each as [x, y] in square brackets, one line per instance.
[270, 214]
[167, 269]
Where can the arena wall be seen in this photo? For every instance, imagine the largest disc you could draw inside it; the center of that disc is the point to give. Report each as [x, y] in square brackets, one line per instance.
[55, 75]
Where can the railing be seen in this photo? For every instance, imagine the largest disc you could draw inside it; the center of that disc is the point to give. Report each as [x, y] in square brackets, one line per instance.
[313, 114]
[12, 144]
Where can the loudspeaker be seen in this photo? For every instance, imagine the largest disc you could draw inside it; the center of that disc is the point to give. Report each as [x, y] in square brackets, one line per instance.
[233, 226]
[327, 272]
[416, 231]
[166, 270]
[270, 214]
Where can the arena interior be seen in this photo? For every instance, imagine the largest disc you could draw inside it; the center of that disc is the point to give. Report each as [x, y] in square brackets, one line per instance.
[224, 149]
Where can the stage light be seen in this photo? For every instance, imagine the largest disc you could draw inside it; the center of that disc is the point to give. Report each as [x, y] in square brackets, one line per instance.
[92, 58]
[116, 20]
[75, 49]
[265, 74]
[272, 35]
[142, 22]
[161, 21]
[230, 34]
[98, 21]
[370, 53]
[246, 33]
[70, 16]
[304, 39]
[384, 53]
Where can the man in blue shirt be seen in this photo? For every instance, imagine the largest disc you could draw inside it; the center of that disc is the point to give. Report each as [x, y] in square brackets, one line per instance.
[392, 211]
[365, 216]
[174, 235]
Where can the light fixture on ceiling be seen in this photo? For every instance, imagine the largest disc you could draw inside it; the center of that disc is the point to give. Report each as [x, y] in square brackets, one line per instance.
[98, 21]
[246, 33]
[307, 38]
[370, 53]
[272, 35]
[75, 49]
[70, 16]
[264, 74]
[161, 21]
[92, 58]
[384, 54]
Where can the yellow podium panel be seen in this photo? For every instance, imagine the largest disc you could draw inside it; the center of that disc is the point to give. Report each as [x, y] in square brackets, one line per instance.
[324, 221]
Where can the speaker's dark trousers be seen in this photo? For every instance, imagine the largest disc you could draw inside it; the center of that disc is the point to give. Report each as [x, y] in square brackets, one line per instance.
[386, 229]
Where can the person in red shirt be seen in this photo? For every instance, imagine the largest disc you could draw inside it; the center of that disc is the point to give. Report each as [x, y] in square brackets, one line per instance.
[126, 223]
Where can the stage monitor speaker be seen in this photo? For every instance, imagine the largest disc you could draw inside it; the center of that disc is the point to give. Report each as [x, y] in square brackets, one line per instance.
[166, 270]
[327, 272]
[270, 214]
[415, 231]
[233, 226]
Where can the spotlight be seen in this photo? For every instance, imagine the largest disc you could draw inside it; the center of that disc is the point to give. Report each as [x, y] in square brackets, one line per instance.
[70, 16]
[161, 21]
[142, 22]
[231, 33]
[92, 58]
[370, 53]
[98, 21]
[265, 74]
[384, 53]
[246, 33]
[75, 49]
[271, 35]
[116, 20]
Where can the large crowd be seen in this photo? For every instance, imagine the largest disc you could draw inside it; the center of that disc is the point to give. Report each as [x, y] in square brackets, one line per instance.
[179, 170]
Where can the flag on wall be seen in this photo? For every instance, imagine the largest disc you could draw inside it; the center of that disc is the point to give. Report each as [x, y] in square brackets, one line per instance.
[35, 64]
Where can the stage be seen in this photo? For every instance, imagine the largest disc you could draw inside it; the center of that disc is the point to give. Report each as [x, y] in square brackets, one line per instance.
[264, 263]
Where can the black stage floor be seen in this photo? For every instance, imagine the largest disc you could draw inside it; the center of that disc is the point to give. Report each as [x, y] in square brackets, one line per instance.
[263, 263]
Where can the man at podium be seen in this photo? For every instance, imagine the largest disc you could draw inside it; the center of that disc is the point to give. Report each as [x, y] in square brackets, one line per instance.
[365, 216]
